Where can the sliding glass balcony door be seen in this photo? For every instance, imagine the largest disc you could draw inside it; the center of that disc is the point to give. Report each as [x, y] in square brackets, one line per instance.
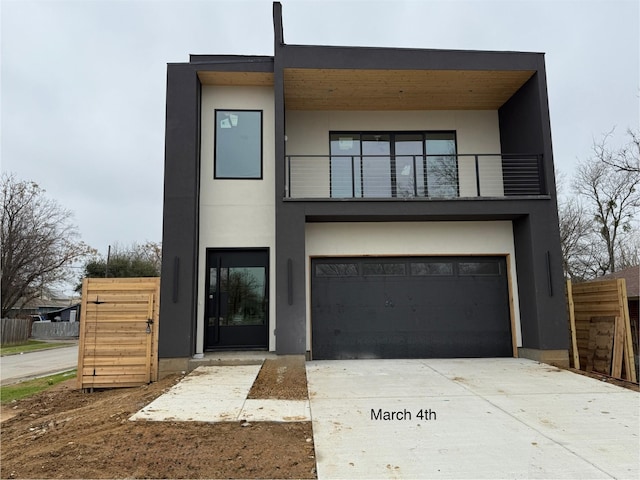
[409, 165]
[376, 163]
[384, 165]
[441, 165]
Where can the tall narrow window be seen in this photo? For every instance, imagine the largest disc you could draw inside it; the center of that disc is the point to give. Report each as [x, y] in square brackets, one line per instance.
[442, 166]
[376, 165]
[238, 144]
[346, 165]
[409, 165]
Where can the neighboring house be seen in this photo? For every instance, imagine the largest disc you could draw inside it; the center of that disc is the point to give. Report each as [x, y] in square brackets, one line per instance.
[67, 314]
[352, 202]
[40, 306]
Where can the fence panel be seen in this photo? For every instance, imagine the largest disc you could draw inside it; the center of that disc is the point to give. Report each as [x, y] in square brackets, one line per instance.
[119, 332]
[592, 303]
[53, 330]
[15, 330]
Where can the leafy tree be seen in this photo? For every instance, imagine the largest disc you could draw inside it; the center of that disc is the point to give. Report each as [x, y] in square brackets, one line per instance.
[39, 242]
[137, 260]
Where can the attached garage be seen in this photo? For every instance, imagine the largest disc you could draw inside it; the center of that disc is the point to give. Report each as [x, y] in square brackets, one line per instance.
[410, 307]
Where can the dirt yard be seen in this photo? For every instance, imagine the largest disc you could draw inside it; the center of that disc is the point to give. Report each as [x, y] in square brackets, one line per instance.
[65, 433]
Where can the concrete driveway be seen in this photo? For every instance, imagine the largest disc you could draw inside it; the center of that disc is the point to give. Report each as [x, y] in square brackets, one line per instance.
[469, 418]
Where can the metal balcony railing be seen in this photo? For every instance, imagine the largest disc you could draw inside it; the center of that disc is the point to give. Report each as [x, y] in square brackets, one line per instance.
[413, 176]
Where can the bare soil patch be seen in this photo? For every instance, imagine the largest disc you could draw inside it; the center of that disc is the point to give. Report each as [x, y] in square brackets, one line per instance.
[65, 433]
[608, 379]
[284, 378]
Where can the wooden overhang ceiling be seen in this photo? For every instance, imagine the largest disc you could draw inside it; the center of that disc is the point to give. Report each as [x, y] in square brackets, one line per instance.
[351, 89]
[242, 79]
[324, 89]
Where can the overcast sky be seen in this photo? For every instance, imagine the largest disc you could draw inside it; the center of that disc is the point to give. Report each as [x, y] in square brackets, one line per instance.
[83, 82]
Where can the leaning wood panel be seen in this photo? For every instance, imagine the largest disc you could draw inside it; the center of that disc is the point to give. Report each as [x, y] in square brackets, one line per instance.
[618, 348]
[628, 355]
[572, 327]
[119, 334]
[605, 298]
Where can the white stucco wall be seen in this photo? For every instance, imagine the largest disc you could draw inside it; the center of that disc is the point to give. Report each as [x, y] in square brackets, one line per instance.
[236, 213]
[477, 132]
[411, 239]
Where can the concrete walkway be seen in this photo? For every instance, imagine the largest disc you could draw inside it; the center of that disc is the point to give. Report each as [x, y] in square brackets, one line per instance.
[219, 394]
[469, 418]
[16, 368]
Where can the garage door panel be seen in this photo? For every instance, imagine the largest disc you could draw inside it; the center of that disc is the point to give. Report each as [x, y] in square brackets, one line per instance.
[463, 313]
[412, 345]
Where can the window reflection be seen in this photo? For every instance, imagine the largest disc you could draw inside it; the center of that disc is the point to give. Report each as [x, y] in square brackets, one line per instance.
[479, 268]
[244, 289]
[431, 268]
[336, 270]
[442, 165]
[238, 144]
[392, 269]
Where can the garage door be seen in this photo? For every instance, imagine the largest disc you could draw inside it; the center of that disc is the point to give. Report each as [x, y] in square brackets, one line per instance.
[414, 307]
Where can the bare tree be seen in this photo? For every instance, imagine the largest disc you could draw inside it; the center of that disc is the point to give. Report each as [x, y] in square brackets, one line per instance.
[626, 158]
[629, 251]
[39, 243]
[611, 198]
[575, 231]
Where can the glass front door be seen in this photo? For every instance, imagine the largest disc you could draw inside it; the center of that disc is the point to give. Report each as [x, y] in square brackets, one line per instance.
[237, 294]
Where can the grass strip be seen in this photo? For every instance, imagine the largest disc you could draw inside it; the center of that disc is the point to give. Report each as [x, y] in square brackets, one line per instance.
[30, 346]
[25, 389]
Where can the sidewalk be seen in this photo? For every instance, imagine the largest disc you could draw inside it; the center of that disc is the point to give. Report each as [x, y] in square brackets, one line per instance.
[20, 367]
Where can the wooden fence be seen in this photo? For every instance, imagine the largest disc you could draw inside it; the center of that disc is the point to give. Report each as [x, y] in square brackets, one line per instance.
[15, 330]
[119, 332]
[601, 337]
[55, 330]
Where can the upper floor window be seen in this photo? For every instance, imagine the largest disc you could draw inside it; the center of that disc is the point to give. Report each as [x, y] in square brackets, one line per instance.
[238, 144]
[393, 164]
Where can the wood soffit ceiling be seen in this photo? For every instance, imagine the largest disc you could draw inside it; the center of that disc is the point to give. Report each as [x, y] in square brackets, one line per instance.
[243, 79]
[346, 89]
[322, 89]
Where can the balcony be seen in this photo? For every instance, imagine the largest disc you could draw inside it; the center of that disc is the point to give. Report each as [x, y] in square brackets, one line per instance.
[405, 177]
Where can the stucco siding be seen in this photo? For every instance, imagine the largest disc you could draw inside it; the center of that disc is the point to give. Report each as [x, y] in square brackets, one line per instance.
[236, 213]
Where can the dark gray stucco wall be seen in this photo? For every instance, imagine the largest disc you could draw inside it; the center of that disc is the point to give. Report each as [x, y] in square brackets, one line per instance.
[290, 224]
[525, 128]
[180, 233]
[181, 212]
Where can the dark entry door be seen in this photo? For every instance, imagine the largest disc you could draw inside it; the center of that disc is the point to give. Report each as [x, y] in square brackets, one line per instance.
[237, 293]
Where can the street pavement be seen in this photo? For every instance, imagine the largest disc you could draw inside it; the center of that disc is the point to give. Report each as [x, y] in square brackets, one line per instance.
[16, 368]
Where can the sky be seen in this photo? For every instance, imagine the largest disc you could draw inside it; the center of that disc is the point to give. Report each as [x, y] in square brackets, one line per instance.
[83, 82]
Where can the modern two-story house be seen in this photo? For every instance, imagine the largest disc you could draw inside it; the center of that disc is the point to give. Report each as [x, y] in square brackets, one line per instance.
[352, 202]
